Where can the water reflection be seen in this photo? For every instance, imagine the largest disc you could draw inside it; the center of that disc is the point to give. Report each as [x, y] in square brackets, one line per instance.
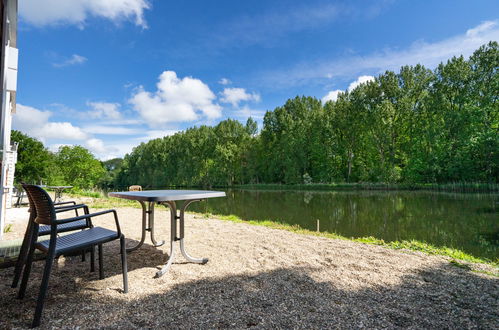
[465, 221]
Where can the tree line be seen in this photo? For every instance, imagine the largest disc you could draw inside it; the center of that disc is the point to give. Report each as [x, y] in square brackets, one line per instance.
[414, 126]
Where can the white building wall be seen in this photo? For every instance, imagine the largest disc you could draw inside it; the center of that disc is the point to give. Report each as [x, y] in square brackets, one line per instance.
[11, 160]
[8, 87]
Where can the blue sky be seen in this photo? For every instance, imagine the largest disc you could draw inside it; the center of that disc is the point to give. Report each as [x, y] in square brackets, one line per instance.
[109, 74]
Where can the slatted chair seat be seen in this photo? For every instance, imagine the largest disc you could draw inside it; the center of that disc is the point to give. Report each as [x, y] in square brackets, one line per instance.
[79, 240]
[70, 226]
[59, 208]
[44, 213]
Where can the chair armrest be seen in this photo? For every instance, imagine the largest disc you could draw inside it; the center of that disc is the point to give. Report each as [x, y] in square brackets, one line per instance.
[91, 215]
[63, 203]
[69, 208]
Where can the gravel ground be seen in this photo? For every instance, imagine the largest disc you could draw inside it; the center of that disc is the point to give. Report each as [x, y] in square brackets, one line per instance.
[256, 277]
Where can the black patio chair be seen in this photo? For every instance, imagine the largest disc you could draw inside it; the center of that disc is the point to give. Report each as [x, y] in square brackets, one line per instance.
[45, 230]
[45, 214]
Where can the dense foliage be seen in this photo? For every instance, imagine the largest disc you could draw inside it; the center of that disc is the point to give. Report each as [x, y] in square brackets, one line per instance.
[33, 159]
[113, 167]
[74, 166]
[414, 126]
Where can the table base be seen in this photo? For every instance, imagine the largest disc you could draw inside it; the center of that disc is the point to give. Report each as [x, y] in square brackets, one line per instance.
[173, 236]
[148, 225]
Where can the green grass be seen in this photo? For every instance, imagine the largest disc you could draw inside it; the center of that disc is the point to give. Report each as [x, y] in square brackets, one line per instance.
[88, 193]
[413, 245]
[101, 202]
[453, 187]
[7, 228]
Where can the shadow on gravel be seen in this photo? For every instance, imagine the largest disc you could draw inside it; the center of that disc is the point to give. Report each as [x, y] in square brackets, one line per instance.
[441, 297]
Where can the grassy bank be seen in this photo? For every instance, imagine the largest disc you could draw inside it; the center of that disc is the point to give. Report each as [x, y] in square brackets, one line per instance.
[457, 256]
[450, 187]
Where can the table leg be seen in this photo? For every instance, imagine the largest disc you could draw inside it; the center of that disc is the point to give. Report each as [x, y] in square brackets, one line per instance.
[173, 237]
[144, 219]
[57, 195]
[182, 248]
[151, 225]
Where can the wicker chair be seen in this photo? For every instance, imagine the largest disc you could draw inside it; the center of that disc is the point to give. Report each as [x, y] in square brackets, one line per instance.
[45, 213]
[45, 230]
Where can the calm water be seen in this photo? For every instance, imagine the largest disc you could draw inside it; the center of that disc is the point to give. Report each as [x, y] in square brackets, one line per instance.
[469, 222]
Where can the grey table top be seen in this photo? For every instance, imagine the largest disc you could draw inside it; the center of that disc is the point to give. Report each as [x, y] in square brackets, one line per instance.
[58, 187]
[167, 195]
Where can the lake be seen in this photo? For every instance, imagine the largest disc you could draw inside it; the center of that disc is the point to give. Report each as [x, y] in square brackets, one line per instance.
[469, 222]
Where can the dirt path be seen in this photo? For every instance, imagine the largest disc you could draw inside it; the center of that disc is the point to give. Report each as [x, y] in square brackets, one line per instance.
[256, 277]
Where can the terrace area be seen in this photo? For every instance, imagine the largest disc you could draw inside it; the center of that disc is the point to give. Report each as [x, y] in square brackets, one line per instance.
[256, 277]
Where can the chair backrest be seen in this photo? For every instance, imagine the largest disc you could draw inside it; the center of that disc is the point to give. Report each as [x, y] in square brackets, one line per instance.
[40, 203]
[135, 188]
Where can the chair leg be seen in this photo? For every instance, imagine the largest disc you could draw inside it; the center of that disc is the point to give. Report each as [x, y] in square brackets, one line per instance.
[27, 270]
[43, 291]
[101, 263]
[124, 264]
[23, 254]
[92, 259]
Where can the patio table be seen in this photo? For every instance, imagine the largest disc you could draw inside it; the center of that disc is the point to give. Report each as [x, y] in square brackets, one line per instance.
[168, 198]
[58, 191]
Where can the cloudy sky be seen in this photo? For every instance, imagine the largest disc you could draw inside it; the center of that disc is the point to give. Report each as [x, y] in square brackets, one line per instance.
[109, 74]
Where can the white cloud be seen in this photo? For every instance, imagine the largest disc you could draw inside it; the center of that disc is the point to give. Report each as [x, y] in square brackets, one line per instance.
[420, 52]
[236, 95]
[104, 110]
[35, 123]
[224, 81]
[55, 147]
[484, 27]
[73, 60]
[155, 134]
[96, 146]
[360, 80]
[122, 121]
[56, 12]
[115, 149]
[175, 100]
[245, 112]
[60, 130]
[333, 95]
[29, 117]
[110, 130]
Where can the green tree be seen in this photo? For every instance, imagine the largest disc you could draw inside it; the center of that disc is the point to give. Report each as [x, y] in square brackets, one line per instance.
[33, 159]
[112, 167]
[78, 167]
[484, 87]
[251, 126]
[113, 164]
